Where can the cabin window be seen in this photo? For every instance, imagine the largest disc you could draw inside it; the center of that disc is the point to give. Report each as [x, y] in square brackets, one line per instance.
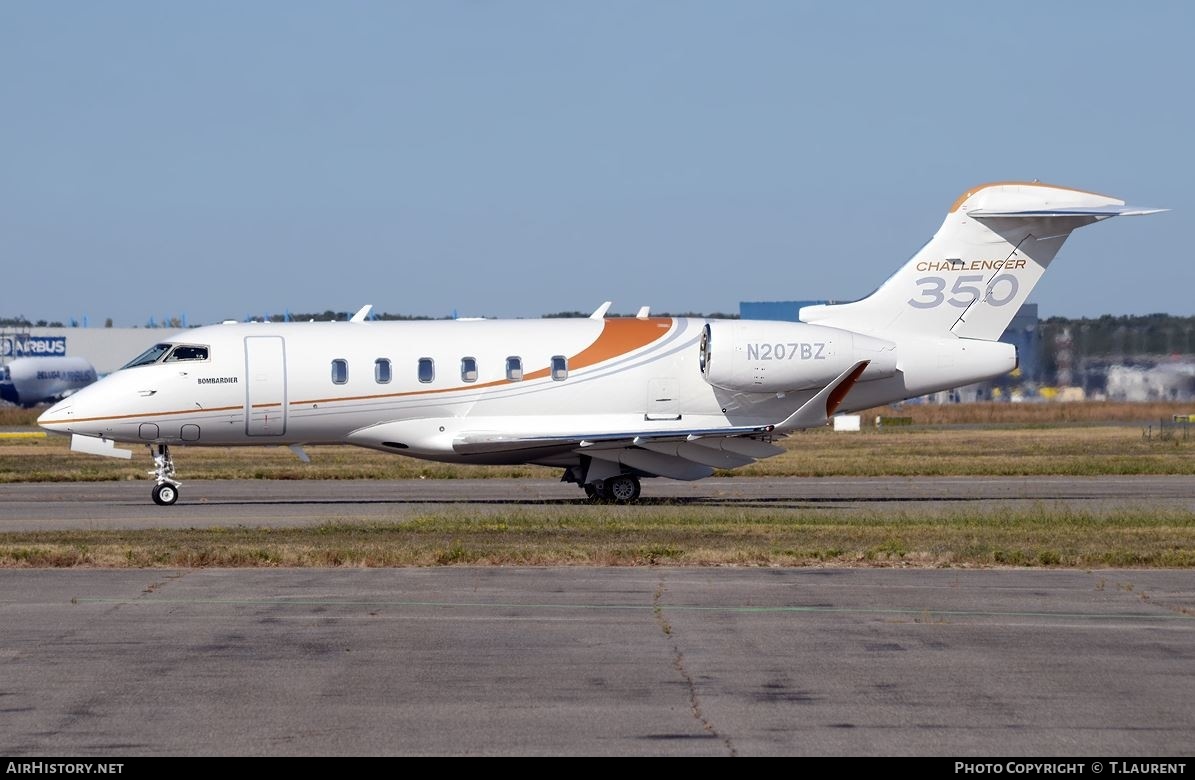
[340, 371]
[559, 368]
[427, 369]
[187, 352]
[468, 369]
[150, 355]
[514, 368]
[381, 371]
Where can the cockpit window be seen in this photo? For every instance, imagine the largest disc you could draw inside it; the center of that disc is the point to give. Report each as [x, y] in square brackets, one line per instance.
[150, 355]
[187, 352]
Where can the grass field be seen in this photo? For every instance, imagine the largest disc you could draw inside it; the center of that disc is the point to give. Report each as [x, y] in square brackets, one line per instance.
[1060, 439]
[632, 536]
[1009, 449]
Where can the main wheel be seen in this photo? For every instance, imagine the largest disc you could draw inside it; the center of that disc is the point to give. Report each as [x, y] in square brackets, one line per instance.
[165, 494]
[624, 490]
[591, 492]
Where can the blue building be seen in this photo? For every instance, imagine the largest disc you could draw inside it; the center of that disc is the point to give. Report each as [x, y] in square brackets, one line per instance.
[784, 311]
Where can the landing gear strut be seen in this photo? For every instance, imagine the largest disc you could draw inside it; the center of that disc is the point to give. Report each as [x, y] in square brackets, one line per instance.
[165, 490]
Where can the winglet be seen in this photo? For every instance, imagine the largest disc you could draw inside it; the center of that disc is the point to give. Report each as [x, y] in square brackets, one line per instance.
[600, 312]
[362, 313]
[644, 313]
[818, 409]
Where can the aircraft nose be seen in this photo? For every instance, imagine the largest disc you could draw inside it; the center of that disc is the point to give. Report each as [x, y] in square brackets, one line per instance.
[58, 416]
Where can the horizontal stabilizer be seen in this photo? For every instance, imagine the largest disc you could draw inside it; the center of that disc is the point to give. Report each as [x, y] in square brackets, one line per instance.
[1088, 211]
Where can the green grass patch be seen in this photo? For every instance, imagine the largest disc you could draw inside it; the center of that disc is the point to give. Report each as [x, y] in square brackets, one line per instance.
[645, 536]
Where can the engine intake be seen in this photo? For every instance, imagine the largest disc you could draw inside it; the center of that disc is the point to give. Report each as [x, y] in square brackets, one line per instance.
[756, 356]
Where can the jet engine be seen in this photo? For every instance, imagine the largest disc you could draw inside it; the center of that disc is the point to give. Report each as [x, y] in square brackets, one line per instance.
[756, 356]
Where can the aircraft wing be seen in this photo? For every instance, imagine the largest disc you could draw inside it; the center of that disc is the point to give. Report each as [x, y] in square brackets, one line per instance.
[677, 454]
[501, 442]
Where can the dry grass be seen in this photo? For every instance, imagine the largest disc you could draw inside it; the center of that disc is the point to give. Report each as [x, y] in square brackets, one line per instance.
[1076, 450]
[16, 417]
[636, 536]
[999, 439]
[50, 460]
[1069, 451]
[1034, 413]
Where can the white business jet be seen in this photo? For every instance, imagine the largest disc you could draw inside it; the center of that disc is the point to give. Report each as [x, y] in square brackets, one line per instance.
[608, 400]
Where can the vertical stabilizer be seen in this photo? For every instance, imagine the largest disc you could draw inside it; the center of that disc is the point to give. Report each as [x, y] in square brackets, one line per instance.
[977, 270]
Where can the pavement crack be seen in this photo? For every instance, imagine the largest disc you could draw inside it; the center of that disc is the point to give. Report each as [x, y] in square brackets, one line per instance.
[678, 662]
[153, 586]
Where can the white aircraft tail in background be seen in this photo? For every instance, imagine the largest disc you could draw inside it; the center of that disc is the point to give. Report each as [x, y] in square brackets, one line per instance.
[608, 400]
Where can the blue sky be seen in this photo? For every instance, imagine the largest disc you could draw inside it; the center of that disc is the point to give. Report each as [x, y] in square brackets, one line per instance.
[220, 159]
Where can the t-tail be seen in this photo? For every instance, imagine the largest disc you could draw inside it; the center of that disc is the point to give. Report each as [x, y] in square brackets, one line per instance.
[977, 270]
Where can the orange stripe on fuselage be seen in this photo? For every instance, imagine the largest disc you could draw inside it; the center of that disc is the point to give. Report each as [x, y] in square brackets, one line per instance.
[620, 336]
[144, 414]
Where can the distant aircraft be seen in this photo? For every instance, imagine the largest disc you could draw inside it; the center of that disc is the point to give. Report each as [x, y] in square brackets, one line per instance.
[29, 381]
[607, 400]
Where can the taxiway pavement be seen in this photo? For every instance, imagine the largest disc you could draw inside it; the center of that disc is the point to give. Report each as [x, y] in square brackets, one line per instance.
[597, 661]
[57, 506]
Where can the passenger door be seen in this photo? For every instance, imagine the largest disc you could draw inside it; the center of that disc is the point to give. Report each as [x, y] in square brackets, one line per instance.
[265, 386]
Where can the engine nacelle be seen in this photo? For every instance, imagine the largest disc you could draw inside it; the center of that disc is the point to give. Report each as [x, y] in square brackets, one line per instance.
[758, 356]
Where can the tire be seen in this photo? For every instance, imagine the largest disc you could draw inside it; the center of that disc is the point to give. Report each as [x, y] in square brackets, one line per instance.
[591, 492]
[165, 495]
[623, 490]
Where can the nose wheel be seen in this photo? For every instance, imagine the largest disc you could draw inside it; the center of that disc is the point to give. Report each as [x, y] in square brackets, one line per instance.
[165, 490]
[165, 495]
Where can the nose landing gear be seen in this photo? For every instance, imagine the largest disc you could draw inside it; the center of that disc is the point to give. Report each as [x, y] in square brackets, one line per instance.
[165, 490]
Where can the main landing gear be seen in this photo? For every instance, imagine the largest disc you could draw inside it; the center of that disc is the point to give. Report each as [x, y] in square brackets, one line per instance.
[165, 490]
[618, 490]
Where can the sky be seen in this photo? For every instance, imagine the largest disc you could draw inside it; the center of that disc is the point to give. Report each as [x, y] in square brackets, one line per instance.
[226, 159]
